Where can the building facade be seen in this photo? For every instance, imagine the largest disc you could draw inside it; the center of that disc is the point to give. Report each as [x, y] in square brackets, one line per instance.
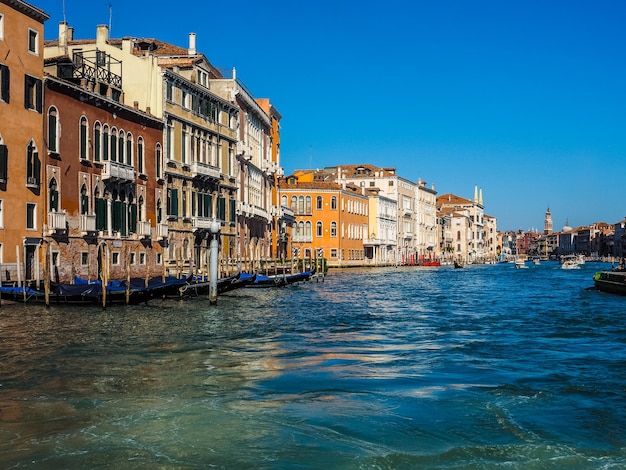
[21, 140]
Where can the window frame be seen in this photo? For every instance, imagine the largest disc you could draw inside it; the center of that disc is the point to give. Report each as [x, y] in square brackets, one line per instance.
[33, 36]
[31, 213]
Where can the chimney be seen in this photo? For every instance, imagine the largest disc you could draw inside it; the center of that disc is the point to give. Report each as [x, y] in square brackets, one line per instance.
[148, 110]
[192, 44]
[63, 34]
[480, 198]
[234, 73]
[102, 34]
[476, 194]
[136, 104]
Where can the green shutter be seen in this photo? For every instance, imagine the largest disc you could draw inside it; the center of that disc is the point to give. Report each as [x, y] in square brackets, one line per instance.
[222, 209]
[174, 207]
[101, 214]
[132, 223]
[54, 200]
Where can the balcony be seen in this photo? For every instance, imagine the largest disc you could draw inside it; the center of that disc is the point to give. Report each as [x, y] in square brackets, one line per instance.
[257, 211]
[117, 172]
[162, 231]
[32, 182]
[302, 238]
[87, 223]
[144, 229]
[201, 222]
[56, 221]
[205, 171]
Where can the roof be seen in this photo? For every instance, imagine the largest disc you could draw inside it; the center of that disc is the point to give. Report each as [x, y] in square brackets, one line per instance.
[452, 200]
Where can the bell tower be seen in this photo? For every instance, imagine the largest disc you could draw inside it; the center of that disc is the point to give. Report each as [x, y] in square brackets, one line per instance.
[547, 222]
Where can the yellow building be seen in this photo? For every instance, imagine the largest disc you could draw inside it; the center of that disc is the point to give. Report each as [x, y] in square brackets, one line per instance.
[21, 138]
[331, 220]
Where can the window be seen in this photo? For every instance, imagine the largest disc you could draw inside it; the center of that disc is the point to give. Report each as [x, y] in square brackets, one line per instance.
[1, 215]
[319, 203]
[96, 142]
[169, 92]
[33, 165]
[158, 161]
[301, 205]
[129, 149]
[121, 147]
[4, 162]
[53, 130]
[319, 229]
[172, 202]
[307, 204]
[33, 41]
[142, 259]
[84, 258]
[101, 211]
[159, 258]
[133, 258]
[1, 26]
[5, 80]
[294, 203]
[84, 200]
[333, 229]
[83, 138]
[113, 145]
[333, 253]
[31, 216]
[32, 93]
[140, 155]
[105, 143]
[53, 194]
[283, 201]
[115, 258]
[333, 203]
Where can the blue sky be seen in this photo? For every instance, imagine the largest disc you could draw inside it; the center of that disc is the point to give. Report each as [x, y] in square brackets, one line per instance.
[526, 99]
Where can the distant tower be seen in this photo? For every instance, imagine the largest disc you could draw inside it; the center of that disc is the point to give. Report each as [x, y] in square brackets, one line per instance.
[547, 222]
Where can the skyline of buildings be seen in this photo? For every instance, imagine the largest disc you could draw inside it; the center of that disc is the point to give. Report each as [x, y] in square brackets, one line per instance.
[121, 152]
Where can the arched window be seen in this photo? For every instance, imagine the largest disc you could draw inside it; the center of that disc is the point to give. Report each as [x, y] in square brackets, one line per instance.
[33, 165]
[140, 162]
[159, 211]
[53, 196]
[105, 143]
[319, 229]
[121, 147]
[113, 144]
[141, 209]
[283, 201]
[53, 130]
[159, 163]
[129, 149]
[301, 205]
[294, 203]
[333, 229]
[97, 143]
[458, 235]
[319, 203]
[307, 229]
[300, 229]
[307, 204]
[84, 200]
[333, 203]
[83, 138]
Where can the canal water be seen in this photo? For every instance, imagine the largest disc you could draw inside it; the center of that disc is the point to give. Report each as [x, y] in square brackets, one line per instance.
[475, 368]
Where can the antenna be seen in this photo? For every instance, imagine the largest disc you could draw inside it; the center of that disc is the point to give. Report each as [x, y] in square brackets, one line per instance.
[110, 17]
[64, 16]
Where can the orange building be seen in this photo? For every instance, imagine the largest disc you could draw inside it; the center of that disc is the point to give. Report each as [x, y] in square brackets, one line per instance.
[21, 138]
[331, 220]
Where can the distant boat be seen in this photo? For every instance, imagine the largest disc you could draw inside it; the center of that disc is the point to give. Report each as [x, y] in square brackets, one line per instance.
[571, 262]
[536, 261]
[431, 263]
[520, 264]
[457, 265]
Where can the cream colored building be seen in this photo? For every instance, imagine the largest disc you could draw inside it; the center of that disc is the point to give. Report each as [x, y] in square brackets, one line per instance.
[380, 243]
[198, 166]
